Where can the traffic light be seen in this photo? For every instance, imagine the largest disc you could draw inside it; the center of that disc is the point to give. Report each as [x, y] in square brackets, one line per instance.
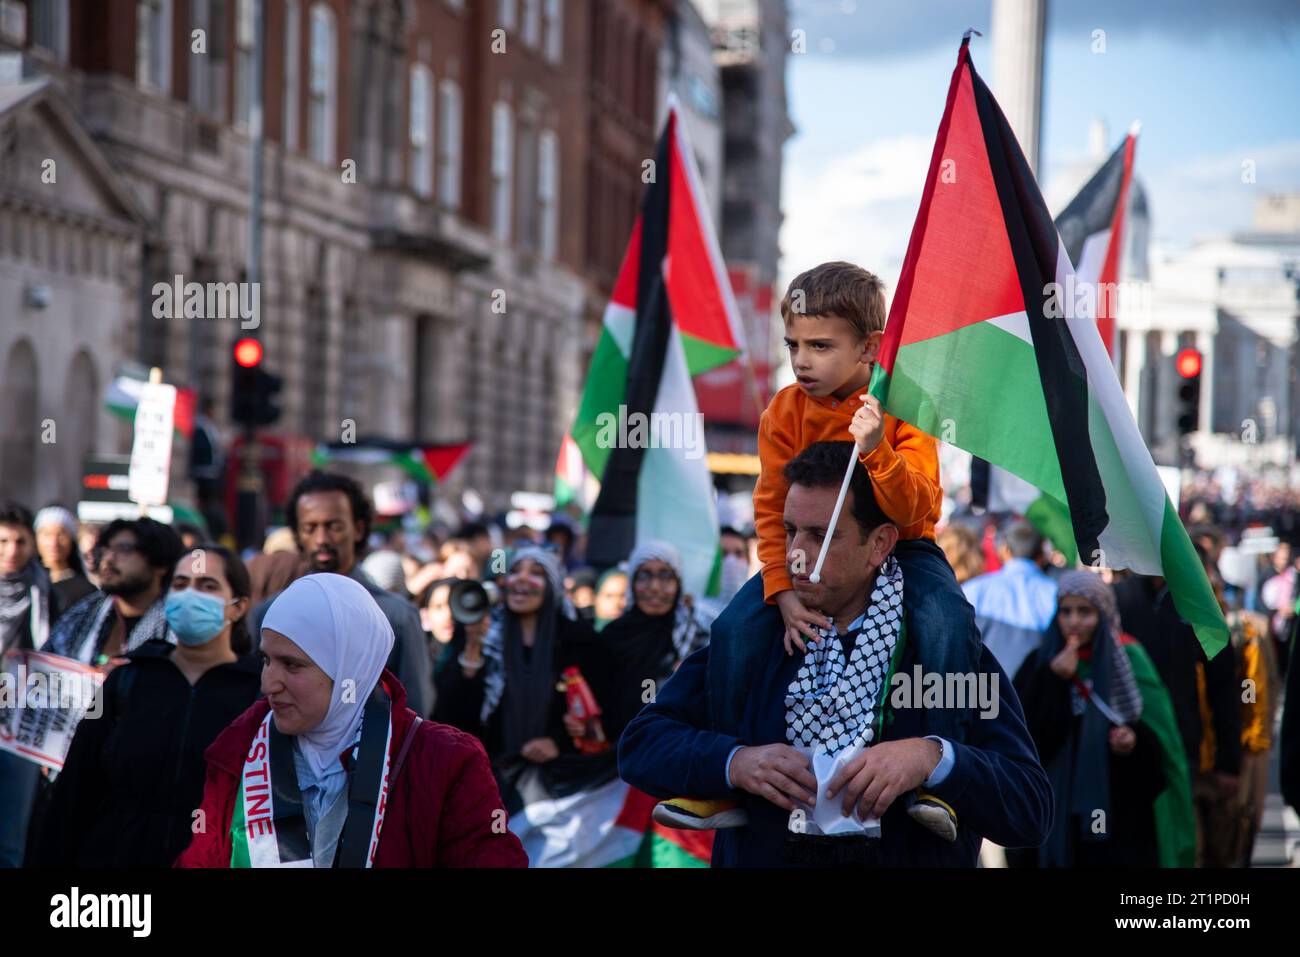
[252, 388]
[1188, 365]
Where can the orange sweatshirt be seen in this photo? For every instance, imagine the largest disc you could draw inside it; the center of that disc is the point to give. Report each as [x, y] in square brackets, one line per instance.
[904, 470]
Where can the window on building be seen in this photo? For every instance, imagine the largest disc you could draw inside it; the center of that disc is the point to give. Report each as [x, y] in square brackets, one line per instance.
[506, 14]
[321, 109]
[548, 188]
[532, 22]
[208, 70]
[420, 130]
[292, 70]
[314, 354]
[153, 44]
[525, 200]
[244, 27]
[553, 31]
[449, 144]
[424, 356]
[50, 26]
[354, 394]
[596, 43]
[153, 331]
[502, 168]
[204, 344]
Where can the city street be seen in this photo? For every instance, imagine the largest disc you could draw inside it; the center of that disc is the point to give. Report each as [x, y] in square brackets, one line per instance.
[649, 434]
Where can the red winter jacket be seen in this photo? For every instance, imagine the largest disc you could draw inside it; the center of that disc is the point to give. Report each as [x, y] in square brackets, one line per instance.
[441, 807]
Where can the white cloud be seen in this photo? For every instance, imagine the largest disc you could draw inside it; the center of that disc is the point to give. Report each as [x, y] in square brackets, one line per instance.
[1205, 196]
[858, 206]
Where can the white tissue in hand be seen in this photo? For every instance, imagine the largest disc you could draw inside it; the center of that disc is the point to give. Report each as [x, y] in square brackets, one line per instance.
[827, 816]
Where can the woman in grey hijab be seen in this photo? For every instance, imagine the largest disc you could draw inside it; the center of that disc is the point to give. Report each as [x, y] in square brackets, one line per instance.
[1103, 725]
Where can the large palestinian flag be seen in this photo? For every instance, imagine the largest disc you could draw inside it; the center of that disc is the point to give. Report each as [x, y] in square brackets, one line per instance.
[1092, 231]
[983, 349]
[671, 316]
[576, 812]
[574, 483]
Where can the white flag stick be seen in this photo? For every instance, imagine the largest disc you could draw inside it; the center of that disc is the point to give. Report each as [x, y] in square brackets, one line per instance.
[835, 515]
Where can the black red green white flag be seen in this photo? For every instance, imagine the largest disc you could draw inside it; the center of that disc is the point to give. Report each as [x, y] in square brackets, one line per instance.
[984, 349]
[672, 315]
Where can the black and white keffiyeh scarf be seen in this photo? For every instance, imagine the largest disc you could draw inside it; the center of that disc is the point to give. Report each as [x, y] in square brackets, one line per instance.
[82, 630]
[19, 594]
[833, 704]
[503, 658]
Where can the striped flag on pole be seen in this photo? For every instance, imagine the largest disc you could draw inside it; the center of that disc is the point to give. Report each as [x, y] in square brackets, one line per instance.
[671, 316]
[985, 347]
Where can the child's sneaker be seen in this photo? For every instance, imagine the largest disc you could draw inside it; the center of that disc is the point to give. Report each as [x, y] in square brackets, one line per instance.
[933, 814]
[687, 814]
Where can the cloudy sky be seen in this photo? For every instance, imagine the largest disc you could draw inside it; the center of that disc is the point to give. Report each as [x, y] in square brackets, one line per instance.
[1212, 83]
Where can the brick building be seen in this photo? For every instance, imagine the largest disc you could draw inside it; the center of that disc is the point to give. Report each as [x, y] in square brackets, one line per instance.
[448, 187]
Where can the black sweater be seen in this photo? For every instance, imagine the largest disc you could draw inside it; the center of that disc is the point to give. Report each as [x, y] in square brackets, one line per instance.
[1148, 614]
[1136, 778]
[134, 776]
[460, 699]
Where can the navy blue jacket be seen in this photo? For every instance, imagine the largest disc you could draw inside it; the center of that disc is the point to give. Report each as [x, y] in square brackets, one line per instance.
[997, 785]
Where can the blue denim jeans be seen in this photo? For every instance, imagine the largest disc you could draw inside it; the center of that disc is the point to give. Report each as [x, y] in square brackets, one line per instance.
[940, 623]
[18, 779]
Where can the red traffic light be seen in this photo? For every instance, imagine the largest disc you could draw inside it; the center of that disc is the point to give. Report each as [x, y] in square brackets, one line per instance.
[248, 353]
[1188, 363]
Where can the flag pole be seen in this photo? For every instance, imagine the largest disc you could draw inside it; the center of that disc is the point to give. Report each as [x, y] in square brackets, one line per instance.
[835, 515]
[876, 387]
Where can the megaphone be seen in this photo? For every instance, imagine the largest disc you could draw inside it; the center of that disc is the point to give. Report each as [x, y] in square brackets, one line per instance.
[471, 600]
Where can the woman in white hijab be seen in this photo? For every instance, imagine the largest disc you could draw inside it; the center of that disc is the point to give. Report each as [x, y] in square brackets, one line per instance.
[331, 763]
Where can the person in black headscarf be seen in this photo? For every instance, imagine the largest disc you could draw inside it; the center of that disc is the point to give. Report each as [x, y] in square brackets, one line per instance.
[657, 631]
[1104, 729]
[506, 688]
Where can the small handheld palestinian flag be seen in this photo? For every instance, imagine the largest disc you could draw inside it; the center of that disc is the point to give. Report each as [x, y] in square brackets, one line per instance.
[672, 315]
[123, 396]
[984, 350]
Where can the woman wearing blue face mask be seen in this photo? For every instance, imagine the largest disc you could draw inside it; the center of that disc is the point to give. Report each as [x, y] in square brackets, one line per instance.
[133, 780]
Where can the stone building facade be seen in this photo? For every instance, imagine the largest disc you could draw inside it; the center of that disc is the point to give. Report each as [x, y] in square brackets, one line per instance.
[441, 179]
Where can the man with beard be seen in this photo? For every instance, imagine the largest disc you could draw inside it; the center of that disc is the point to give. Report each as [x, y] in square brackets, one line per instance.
[135, 562]
[819, 757]
[330, 517]
[24, 585]
[24, 624]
